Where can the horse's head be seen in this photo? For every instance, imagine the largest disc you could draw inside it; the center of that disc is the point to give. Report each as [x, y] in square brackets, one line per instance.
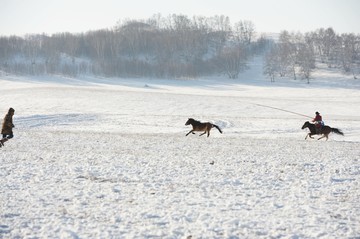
[189, 121]
[306, 124]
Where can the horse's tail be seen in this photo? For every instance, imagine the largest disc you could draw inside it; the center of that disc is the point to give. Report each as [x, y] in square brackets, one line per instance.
[337, 131]
[217, 128]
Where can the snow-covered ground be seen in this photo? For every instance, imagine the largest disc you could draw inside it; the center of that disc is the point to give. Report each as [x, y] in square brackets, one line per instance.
[108, 158]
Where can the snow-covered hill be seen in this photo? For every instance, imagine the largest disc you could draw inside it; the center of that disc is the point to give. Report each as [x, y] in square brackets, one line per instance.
[108, 158]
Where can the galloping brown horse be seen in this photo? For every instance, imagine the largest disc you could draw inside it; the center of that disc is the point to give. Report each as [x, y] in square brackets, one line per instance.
[198, 126]
[325, 130]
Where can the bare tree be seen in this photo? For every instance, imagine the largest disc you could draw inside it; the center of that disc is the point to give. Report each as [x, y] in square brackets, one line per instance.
[244, 32]
[287, 48]
[349, 54]
[233, 60]
[306, 61]
[326, 41]
[272, 64]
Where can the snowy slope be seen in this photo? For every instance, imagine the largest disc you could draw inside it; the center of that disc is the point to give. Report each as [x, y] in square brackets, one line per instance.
[108, 158]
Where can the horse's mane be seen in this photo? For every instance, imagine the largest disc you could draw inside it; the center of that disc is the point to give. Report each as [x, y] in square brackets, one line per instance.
[196, 121]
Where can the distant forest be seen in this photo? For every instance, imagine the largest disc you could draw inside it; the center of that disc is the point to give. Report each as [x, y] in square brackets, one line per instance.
[178, 46]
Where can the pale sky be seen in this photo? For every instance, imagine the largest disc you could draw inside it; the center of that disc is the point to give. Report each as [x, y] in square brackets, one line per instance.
[19, 17]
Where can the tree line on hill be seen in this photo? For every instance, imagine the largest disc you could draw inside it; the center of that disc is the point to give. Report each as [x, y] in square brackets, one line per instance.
[296, 54]
[177, 46]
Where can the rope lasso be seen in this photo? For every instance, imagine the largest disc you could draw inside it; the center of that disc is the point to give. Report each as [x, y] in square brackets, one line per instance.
[288, 111]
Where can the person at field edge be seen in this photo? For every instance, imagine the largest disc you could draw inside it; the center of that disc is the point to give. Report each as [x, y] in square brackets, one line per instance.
[8, 125]
[319, 123]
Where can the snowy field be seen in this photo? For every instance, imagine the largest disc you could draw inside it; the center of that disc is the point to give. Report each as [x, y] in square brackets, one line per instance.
[108, 158]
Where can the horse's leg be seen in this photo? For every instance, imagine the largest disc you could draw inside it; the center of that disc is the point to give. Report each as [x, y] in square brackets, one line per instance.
[2, 141]
[310, 135]
[208, 129]
[191, 131]
[203, 133]
[325, 135]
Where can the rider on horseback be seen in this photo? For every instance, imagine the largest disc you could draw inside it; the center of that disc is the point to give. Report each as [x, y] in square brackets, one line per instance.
[319, 123]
